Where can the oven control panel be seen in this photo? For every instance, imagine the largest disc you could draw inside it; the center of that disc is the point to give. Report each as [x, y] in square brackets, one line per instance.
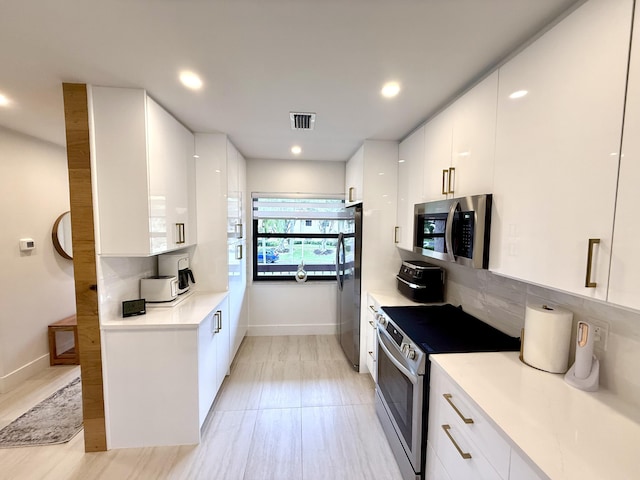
[395, 334]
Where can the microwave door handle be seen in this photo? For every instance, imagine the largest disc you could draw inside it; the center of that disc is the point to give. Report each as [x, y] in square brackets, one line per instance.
[448, 234]
[404, 370]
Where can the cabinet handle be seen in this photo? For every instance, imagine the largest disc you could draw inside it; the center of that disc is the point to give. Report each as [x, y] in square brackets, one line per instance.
[447, 397]
[351, 189]
[464, 455]
[452, 180]
[395, 235]
[239, 252]
[445, 173]
[371, 353]
[219, 314]
[214, 323]
[373, 309]
[239, 230]
[588, 283]
[180, 236]
[372, 324]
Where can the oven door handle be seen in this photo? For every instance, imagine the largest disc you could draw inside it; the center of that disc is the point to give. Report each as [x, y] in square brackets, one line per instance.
[404, 370]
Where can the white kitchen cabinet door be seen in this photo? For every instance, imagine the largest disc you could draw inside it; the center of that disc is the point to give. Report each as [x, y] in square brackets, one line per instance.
[223, 359]
[143, 158]
[207, 365]
[556, 151]
[354, 178]
[171, 163]
[410, 186]
[235, 226]
[625, 264]
[438, 135]
[237, 271]
[474, 136]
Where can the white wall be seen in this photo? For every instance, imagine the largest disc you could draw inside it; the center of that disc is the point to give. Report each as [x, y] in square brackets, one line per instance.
[36, 288]
[283, 308]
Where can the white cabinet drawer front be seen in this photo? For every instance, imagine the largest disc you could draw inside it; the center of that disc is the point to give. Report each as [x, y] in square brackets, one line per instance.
[435, 469]
[455, 406]
[521, 470]
[461, 457]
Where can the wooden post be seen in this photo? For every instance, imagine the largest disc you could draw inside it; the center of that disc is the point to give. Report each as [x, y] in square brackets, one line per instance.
[76, 114]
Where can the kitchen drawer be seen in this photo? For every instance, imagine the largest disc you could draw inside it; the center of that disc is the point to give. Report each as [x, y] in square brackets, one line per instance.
[435, 469]
[452, 403]
[461, 456]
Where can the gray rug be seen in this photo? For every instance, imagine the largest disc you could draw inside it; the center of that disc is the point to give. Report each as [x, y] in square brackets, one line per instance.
[56, 419]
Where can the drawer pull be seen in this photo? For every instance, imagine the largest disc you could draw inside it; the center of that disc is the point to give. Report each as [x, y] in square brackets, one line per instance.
[371, 353]
[372, 324]
[447, 397]
[464, 455]
[373, 309]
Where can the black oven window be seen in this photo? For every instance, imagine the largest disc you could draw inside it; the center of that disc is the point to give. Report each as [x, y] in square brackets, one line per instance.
[398, 392]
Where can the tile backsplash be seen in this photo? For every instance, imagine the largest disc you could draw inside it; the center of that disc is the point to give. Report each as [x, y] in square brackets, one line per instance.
[501, 302]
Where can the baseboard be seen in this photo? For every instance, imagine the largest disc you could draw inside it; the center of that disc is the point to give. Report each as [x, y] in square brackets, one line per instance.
[276, 330]
[15, 378]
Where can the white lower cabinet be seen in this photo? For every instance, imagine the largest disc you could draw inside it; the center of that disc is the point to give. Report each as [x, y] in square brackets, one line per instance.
[161, 381]
[463, 442]
[371, 337]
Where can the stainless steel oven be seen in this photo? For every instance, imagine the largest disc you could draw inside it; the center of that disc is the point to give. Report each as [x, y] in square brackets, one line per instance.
[407, 336]
[400, 394]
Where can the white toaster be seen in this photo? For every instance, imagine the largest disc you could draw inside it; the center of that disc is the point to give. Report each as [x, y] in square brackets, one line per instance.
[159, 289]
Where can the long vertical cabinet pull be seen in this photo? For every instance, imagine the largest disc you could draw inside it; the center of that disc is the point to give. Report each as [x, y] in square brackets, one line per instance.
[445, 183]
[180, 236]
[217, 321]
[239, 252]
[395, 235]
[351, 190]
[451, 183]
[588, 283]
[239, 230]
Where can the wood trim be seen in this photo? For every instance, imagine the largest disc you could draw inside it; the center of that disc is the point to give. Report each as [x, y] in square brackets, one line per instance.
[76, 112]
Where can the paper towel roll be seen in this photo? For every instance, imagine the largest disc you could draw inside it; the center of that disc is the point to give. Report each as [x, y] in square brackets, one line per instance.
[547, 338]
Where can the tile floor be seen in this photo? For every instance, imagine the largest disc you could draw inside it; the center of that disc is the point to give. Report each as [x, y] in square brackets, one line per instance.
[292, 408]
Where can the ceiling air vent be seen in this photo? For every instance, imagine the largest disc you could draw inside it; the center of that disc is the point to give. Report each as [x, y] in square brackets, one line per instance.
[302, 121]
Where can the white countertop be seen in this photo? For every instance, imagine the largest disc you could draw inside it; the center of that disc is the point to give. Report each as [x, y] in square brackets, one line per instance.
[187, 314]
[393, 298]
[568, 433]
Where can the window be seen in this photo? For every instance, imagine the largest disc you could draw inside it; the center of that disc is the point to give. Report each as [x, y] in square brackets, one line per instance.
[291, 230]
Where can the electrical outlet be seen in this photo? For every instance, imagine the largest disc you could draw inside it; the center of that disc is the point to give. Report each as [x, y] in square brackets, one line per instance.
[600, 334]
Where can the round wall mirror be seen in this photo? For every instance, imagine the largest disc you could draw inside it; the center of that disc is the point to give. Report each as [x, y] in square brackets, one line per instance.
[61, 235]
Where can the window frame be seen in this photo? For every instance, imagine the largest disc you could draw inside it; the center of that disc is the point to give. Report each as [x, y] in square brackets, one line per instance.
[309, 268]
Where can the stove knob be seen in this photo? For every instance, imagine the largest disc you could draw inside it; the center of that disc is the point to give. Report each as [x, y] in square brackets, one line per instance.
[411, 354]
[381, 319]
[404, 348]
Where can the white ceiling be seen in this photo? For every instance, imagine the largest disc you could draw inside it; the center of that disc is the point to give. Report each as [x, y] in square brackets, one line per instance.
[261, 59]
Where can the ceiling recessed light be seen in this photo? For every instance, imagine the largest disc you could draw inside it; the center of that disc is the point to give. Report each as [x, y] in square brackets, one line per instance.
[390, 89]
[401, 161]
[296, 150]
[191, 80]
[4, 101]
[518, 94]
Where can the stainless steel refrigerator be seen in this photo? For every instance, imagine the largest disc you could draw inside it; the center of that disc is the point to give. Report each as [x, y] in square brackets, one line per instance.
[348, 263]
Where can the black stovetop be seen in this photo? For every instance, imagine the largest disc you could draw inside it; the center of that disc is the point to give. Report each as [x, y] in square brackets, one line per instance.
[448, 329]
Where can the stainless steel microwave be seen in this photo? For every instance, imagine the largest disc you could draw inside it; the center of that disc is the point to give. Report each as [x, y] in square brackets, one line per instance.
[454, 230]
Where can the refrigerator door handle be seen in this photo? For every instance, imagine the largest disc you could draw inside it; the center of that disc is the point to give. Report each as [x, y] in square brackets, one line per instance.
[339, 246]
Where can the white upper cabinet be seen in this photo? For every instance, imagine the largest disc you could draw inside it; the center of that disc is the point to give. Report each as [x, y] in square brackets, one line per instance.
[145, 175]
[235, 207]
[474, 140]
[460, 145]
[556, 158]
[625, 263]
[410, 186]
[438, 135]
[354, 178]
